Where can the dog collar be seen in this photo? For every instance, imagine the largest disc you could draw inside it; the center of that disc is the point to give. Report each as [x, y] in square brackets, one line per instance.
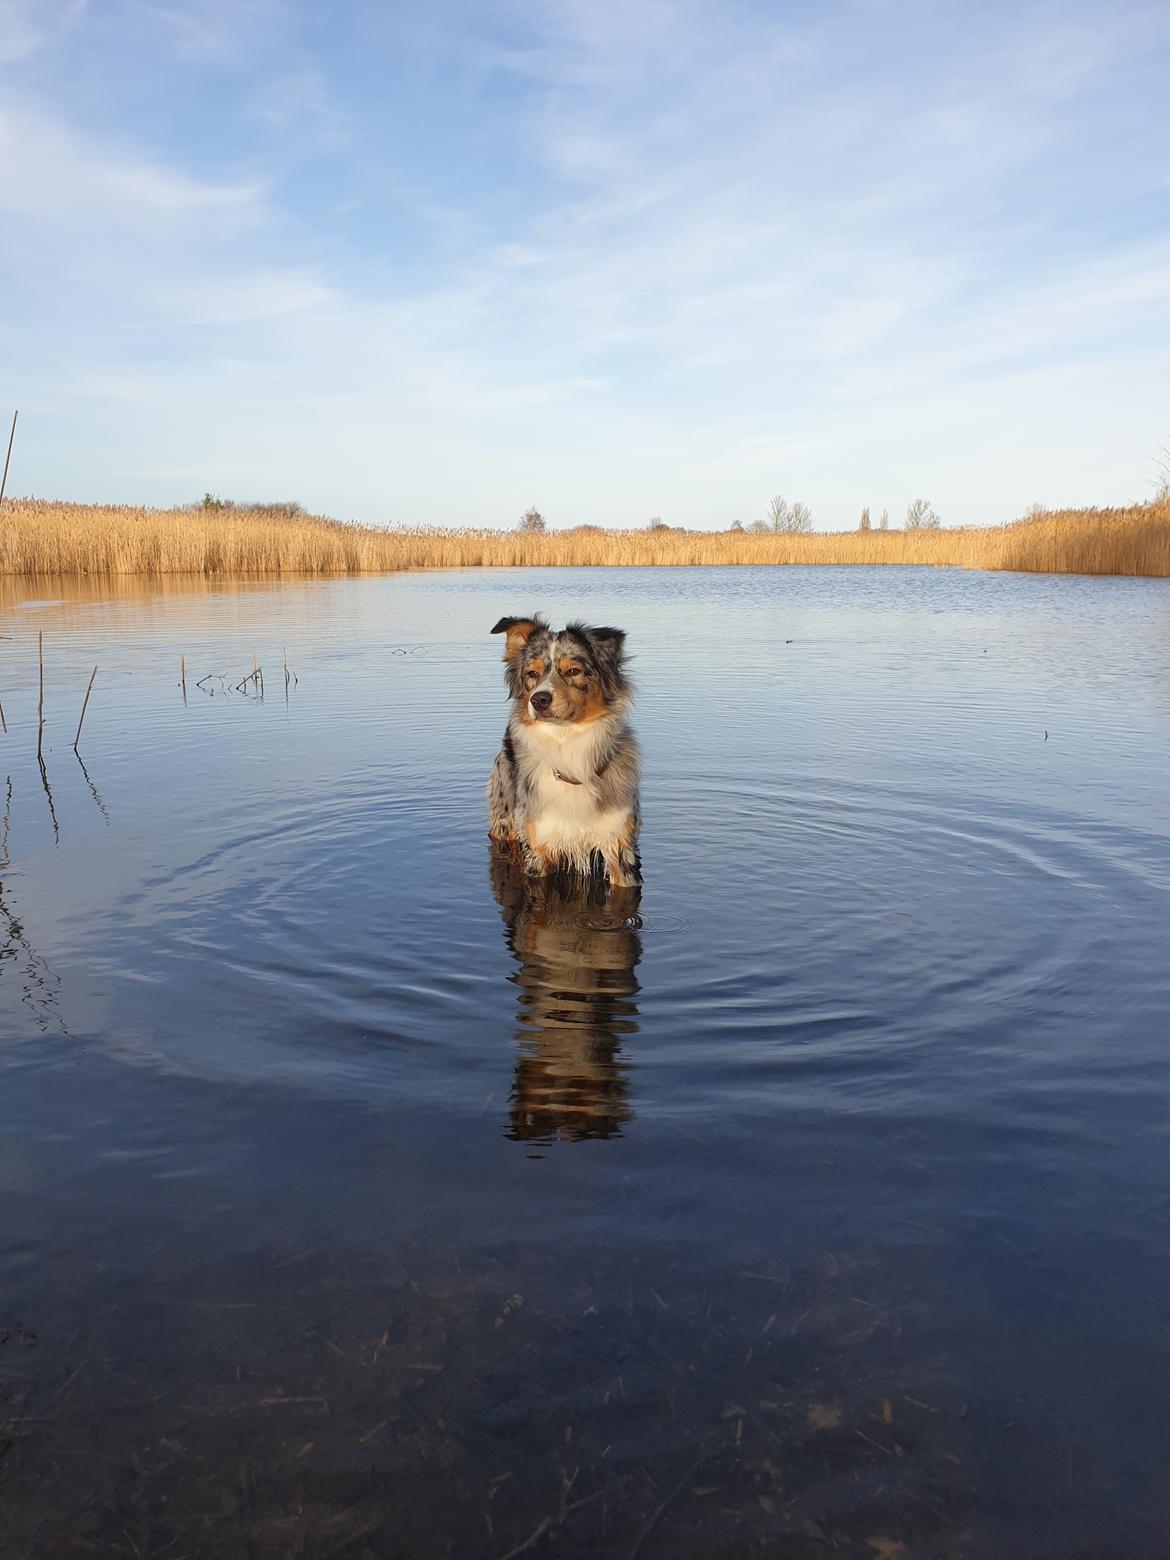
[569, 779]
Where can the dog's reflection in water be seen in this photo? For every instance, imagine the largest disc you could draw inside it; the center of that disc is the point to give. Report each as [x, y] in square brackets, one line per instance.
[576, 943]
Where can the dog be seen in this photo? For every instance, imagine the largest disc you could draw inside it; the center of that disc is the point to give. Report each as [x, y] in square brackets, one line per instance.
[576, 941]
[563, 792]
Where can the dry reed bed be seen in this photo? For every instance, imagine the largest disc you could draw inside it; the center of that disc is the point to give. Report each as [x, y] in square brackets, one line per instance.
[38, 537]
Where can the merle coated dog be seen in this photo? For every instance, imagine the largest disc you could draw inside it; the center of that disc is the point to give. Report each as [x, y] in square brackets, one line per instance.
[563, 791]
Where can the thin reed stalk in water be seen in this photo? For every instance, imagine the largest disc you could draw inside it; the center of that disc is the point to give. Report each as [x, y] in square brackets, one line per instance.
[183, 676]
[84, 707]
[3, 722]
[41, 699]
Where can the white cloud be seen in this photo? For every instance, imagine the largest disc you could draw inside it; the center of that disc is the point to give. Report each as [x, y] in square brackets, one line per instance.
[66, 182]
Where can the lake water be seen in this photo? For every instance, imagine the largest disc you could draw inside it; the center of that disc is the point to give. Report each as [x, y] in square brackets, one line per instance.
[358, 1201]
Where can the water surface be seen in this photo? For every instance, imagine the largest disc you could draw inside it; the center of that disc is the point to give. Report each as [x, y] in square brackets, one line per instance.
[358, 1199]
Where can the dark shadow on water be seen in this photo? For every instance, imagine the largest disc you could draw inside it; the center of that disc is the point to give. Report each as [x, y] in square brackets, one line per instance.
[576, 942]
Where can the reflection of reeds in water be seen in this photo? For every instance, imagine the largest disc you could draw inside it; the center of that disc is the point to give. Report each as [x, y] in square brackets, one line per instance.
[48, 790]
[39, 986]
[576, 943]
[93, 790]
[43, 538]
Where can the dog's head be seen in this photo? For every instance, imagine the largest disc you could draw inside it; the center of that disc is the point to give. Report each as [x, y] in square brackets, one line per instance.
[576, 674]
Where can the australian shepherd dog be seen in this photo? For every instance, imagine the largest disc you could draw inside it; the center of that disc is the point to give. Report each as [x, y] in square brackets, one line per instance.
[564, 788]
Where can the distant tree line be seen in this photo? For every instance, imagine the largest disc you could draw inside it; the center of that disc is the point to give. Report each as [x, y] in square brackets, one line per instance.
[920, 516]
[276, 509]
[784, 517]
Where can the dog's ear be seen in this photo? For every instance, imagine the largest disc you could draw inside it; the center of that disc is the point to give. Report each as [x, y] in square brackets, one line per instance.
[609, 643]
[519, 632]
[609, 651]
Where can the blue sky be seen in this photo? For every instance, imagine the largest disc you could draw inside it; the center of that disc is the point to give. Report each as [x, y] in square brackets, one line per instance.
[438, 264]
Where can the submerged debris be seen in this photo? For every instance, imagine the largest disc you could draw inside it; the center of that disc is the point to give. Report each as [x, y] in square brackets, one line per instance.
[311, 1404]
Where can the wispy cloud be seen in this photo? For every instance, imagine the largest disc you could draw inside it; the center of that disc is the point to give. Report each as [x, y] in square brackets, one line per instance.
[28, 25]
[300, 104]
[64, 181]
[214, 31]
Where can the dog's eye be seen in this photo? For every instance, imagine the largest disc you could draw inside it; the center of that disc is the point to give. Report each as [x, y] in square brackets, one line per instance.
[573, 671]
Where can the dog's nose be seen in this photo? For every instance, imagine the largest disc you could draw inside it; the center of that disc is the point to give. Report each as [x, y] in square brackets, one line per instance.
[541, 700]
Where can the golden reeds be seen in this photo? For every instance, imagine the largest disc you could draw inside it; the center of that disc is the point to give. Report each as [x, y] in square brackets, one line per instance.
[43, 538]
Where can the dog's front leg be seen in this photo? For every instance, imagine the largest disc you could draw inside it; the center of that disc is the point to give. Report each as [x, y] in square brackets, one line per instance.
[501, 799]
[538, 860]
[621, 857]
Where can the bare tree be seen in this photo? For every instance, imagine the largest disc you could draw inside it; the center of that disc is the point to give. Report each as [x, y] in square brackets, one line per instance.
[1162, 475]
[736, 525]
[863, 523]
[759, 528]
[657, 524]
[920, 516]
[532, 520]
[884, 522]
[778, 513]
[783, 516]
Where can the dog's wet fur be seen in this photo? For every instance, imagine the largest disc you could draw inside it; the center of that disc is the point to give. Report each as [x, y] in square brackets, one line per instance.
[563, 792]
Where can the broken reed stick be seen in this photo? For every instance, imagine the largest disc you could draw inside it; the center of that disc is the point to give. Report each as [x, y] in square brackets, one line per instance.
[183, 676]
[8, 457]
[3, 722]
[41, 700]
[84, 707]
[256, 678]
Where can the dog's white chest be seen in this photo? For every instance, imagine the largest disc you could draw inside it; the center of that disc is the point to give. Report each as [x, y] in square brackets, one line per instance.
[565, 818]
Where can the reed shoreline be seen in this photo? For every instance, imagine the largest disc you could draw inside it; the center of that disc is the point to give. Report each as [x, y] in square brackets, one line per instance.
[47, 539]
